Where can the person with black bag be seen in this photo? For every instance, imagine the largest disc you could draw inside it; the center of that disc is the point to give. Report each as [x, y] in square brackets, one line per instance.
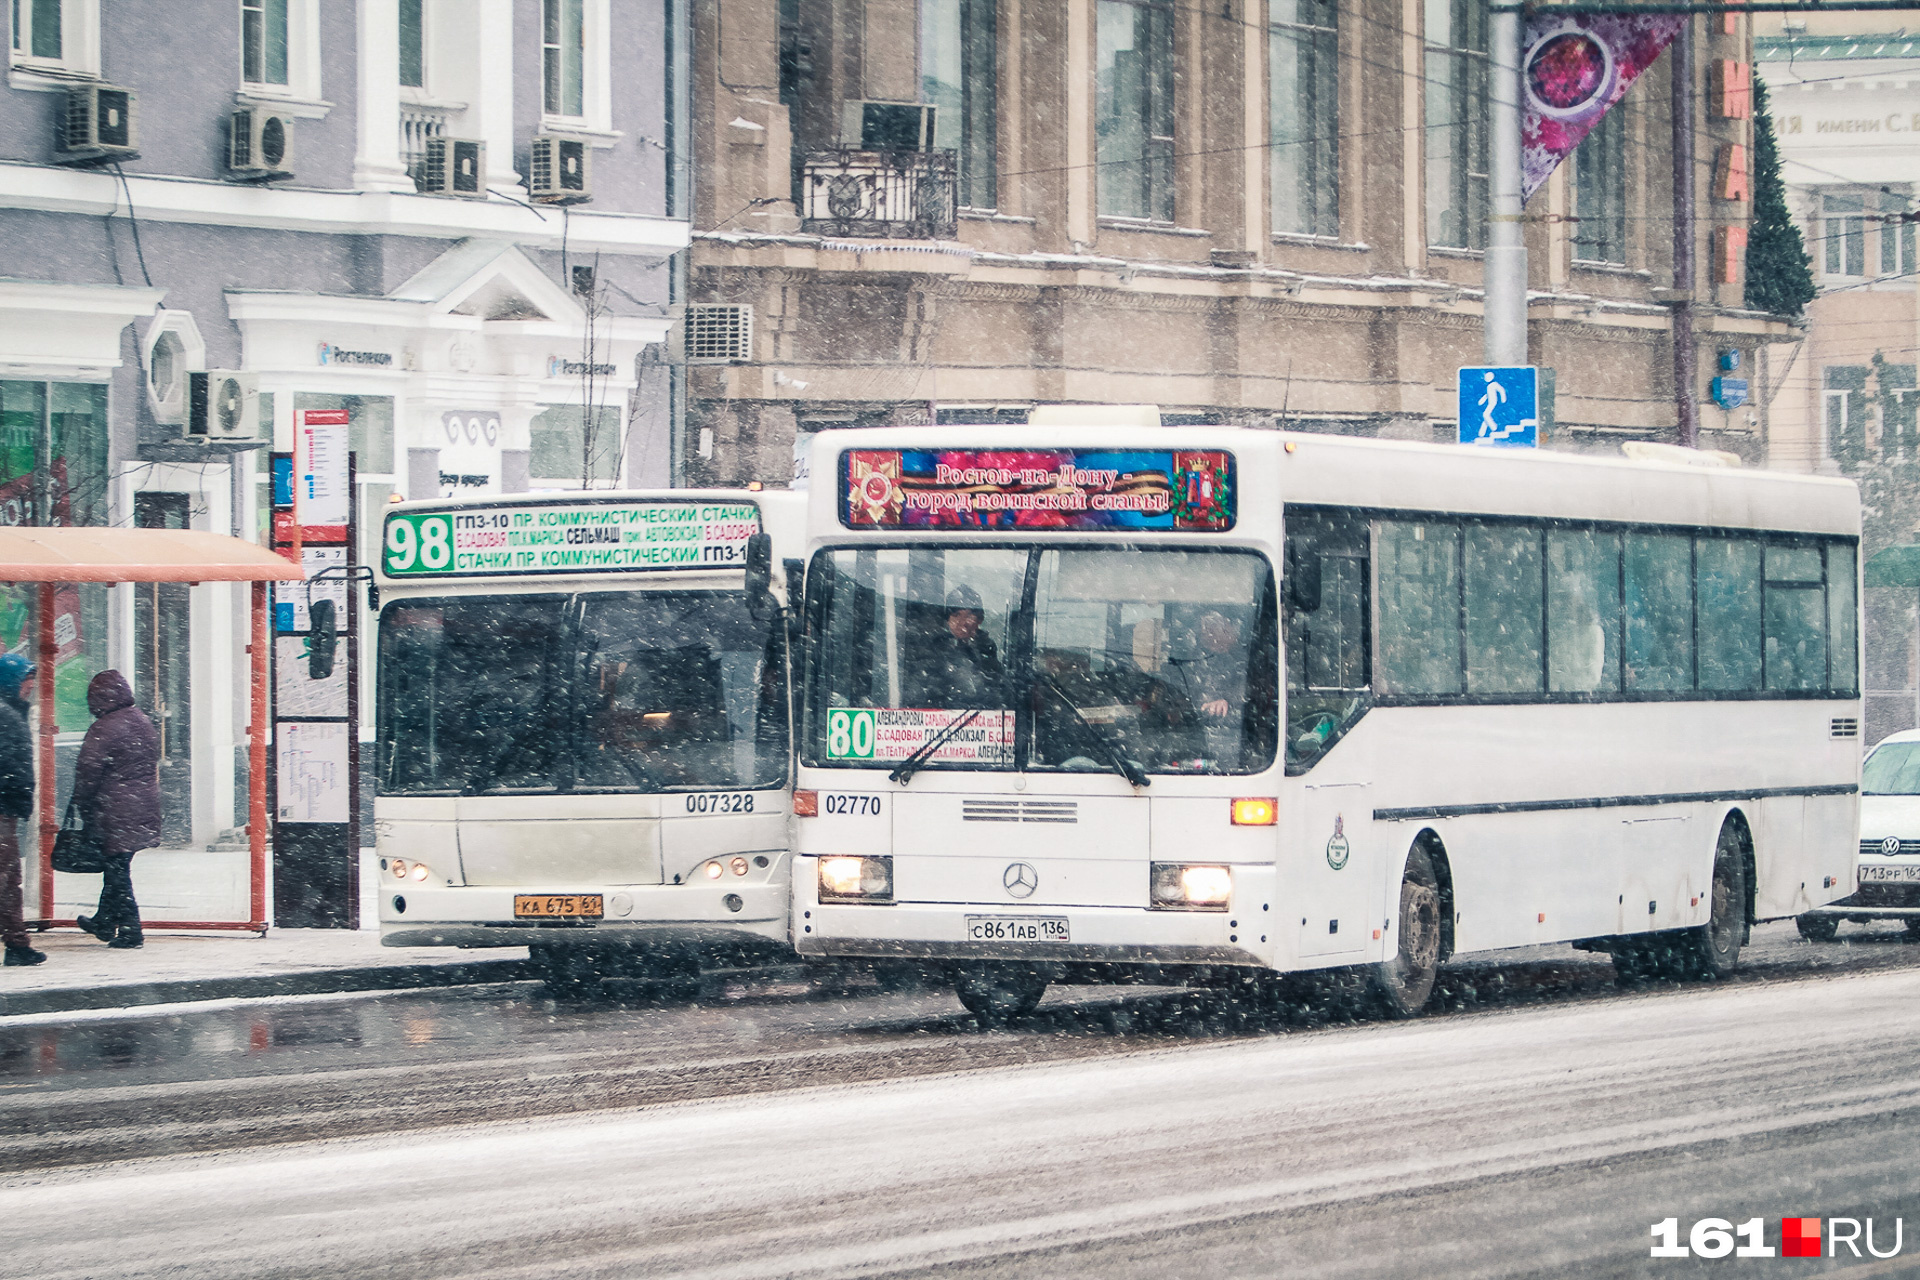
[116, 796]
[16, 802]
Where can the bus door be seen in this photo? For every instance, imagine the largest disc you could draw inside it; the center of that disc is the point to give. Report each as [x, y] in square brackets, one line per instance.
[1331, 870]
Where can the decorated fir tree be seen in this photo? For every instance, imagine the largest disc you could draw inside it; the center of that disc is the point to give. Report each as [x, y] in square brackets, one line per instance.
[1779, 274]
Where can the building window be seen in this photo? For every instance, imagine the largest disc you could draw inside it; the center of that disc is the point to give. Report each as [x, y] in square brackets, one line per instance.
[413, 43]
[263, 41]
[1845, 397]
[1303, 117]
[36, 29]
[958, 76]
[1456, 39]
[1133, 120]
[1898, 400]
[58, 36]
[565, 455]
[1600, 191]
[563, 54]
[1896, 238]
[1845, 234]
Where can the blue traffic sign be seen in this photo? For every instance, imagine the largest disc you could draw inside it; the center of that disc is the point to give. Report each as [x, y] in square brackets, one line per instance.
[1500, 405]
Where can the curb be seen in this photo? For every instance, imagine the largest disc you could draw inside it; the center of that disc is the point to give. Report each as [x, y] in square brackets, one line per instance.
[254, 986]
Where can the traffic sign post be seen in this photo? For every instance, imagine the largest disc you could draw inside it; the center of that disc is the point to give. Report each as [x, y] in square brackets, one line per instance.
[1500, 405]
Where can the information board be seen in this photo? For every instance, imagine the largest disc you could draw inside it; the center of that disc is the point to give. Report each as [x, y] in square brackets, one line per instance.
[1186, 489]
[896, 733]
[593, 537]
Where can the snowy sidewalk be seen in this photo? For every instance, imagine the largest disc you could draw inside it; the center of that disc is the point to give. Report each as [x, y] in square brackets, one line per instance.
[82, 973]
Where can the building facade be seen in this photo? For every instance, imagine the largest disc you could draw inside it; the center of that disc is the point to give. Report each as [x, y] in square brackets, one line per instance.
[453, 219]
[1842, 396]
[1263, 213]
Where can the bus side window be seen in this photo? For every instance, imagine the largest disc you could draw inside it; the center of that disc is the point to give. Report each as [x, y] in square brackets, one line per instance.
[1326, 628]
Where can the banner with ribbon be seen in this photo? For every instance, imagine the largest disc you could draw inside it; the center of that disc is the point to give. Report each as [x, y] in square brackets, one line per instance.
[1573, 69]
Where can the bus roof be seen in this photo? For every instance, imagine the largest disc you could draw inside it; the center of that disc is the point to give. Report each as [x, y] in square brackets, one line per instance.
[1314, 469]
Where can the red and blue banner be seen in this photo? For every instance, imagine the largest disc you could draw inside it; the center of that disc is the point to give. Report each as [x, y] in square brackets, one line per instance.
[1175, 489]
[1573, 69]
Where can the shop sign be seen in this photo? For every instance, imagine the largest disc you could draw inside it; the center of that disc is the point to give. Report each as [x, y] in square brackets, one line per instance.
[561, 367]
[597, 537]
[1175, 489]
[330, 354]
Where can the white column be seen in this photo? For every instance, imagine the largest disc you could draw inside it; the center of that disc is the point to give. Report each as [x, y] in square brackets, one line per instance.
[490, 109]
[1505, 323]
[376, 165]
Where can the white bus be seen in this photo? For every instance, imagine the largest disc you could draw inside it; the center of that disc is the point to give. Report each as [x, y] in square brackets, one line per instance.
[582, 741]
[1256, 702]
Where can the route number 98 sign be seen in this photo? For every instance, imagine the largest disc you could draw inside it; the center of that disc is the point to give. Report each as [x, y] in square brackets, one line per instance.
[601, 537]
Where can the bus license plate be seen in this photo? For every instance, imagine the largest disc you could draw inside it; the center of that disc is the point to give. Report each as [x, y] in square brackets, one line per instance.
[1017, 929]
[571, 906]
[1883, 874]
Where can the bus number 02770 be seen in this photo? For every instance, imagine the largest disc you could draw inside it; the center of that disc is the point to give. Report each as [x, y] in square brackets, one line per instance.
[722, 802]
[856, 806]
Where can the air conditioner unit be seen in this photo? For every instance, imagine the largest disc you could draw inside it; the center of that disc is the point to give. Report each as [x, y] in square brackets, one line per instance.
[455, 167]
[260, 144]
[718, 332]
[97, 126]
[222, 405]
[560, 170]
[886, 126]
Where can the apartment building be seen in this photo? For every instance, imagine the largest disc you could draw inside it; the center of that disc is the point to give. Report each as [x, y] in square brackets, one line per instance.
[452, 219]
[1262, 212]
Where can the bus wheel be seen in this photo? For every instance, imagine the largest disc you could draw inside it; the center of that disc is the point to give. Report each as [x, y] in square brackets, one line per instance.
[568, 973]
[1712, 950]
[996, 993]
[1402, 986]
[1822, 928]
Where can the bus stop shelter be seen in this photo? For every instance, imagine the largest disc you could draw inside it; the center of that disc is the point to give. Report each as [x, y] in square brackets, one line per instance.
[49, 557]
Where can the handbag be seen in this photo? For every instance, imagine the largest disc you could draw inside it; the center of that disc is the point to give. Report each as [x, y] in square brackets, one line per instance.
[77, 850]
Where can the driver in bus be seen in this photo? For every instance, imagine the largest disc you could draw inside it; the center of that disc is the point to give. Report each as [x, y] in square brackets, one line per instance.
[1217, 682]
[960, 667]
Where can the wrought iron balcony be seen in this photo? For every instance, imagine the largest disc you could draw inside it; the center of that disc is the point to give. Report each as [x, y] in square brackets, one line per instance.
[906, 195]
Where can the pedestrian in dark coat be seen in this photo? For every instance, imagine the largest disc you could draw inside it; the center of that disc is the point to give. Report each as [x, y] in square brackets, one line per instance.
[16, 802]
[116, 789]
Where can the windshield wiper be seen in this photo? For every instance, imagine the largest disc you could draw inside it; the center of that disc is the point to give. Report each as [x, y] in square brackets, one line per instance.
[904, 771]
[1115, 756]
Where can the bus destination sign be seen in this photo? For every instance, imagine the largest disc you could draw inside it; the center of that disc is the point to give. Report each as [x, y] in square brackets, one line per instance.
[1183, 489]
[589, 537]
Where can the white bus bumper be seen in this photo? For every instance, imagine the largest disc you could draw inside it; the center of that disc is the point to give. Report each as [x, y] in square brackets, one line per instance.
[1242, 935]
[416, 915]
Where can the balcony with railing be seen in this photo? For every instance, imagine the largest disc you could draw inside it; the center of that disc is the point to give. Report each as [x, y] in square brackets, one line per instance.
[903, 195]
[420, 122]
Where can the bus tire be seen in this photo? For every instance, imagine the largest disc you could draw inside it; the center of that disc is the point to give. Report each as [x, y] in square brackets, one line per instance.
[1822, 928]
[568, 973]
[998, 993]
[1712, 951]
[1402, 986]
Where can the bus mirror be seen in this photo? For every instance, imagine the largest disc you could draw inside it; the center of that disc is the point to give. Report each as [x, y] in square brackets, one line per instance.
[323, 638]
[1303, 578]
[759, 571]
[796, 575]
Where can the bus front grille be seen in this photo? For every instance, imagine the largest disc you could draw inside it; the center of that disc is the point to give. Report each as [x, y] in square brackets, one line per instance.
[1020, 810]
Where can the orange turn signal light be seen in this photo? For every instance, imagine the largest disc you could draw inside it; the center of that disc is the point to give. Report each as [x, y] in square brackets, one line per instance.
[1259, 811]
[806, 804]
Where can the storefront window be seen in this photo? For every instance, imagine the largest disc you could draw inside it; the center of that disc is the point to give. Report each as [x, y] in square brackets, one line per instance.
[67, 420]
[564, 456]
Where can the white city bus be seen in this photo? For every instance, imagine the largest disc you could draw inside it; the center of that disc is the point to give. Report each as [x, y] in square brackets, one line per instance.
[582, 732]
[1257, 702]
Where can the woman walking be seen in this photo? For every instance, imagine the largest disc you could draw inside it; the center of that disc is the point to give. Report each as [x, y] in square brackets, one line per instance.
[116, 789]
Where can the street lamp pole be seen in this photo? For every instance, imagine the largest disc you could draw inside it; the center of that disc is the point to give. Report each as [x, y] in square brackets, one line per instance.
[1504, 323]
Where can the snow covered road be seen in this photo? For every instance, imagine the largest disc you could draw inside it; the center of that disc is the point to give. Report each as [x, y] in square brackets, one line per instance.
[1542, 1140]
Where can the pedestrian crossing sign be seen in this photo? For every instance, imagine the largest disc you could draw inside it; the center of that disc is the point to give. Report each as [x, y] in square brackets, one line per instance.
[1500, 405]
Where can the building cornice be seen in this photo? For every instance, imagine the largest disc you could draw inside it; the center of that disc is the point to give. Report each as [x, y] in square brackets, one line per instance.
[95, 193]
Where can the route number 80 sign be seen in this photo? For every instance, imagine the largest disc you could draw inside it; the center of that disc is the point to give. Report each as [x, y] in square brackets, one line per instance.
[849, 734]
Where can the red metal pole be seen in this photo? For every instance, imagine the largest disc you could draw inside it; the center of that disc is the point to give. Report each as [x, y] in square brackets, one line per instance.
[49, 803]
[257, 759]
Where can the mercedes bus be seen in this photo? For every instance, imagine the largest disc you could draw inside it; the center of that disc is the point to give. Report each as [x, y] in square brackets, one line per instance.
[1229, 704]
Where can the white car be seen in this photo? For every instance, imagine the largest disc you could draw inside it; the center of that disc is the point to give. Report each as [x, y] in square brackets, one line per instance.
[1888, 865]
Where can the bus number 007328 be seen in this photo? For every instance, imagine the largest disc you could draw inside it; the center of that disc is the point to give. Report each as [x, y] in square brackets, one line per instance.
[710, 802]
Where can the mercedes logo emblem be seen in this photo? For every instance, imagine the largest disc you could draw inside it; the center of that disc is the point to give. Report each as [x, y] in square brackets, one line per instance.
[1890, 846]
[1020, 879]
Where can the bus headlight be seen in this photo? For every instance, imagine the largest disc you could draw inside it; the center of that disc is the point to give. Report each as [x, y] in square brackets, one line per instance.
[846, 879]
[1184, 887]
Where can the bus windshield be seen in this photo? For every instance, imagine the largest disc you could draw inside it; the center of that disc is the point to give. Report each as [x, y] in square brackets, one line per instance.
[1075, 660]
[1893, 770]
[607, 692]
